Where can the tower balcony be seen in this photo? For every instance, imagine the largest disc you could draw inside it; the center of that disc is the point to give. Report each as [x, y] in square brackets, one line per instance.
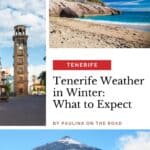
[20, 72]
[19, 54]
[19, 63]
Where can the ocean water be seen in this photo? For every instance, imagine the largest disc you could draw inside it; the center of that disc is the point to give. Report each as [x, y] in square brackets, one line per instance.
[137, 20]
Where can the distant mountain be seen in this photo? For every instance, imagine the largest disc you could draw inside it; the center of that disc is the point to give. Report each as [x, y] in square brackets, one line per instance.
[66, 143]
[79, 8]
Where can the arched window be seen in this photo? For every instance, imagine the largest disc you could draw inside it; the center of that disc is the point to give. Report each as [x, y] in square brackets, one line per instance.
[20, 31]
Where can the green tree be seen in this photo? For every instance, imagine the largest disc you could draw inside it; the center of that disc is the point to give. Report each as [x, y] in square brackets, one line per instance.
[42, 77]
[8, 88]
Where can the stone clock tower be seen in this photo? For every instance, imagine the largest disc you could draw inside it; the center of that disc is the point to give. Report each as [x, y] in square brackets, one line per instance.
[20, 60]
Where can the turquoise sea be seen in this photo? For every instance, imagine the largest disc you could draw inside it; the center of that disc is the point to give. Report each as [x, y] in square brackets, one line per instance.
[137, 20]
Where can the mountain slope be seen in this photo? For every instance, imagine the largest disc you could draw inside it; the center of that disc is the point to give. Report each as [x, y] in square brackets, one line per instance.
[66, 143]
[79, 8]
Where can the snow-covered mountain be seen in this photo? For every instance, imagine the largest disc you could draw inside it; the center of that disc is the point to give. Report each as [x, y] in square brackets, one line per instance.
[66, 143]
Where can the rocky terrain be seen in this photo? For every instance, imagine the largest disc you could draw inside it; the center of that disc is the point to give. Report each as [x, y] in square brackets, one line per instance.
[66, 143]
[79, 8]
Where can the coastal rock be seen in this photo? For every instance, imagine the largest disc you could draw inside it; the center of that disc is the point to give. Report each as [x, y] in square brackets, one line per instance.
[79, 8]
[67, 12]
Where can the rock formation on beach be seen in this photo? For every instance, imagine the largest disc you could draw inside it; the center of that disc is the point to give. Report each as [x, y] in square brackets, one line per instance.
[79, 8]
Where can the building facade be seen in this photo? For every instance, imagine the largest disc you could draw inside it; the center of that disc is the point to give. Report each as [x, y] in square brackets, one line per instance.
[37, 88]
[0, 72]
[20, 60]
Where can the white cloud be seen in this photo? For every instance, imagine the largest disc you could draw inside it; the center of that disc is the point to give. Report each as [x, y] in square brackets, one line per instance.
[28, 12]
[36, 7]
[147, 9]
[141, 141]
[123, 3]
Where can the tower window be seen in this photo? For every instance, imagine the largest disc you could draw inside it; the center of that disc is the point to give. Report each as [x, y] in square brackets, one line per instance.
[20, 61]
[20, 31]
[20, 70]
[20, 52]
[20, 78]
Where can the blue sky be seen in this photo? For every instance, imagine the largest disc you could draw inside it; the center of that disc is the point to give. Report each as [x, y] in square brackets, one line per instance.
[129, 5]
[105, 139]
[30, 13]
[27, 12]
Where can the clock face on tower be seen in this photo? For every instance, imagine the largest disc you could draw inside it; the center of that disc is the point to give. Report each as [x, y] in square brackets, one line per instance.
[20, 47]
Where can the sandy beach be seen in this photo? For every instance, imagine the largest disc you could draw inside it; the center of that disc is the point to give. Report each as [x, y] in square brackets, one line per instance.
[71, 33]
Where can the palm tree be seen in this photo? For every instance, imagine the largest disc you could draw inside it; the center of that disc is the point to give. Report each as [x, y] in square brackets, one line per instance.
[42, 77]
[8, 88]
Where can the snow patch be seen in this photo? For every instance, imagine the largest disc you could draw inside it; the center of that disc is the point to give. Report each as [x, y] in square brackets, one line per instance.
[69, 140]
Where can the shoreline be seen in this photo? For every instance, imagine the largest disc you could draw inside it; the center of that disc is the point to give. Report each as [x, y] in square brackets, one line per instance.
[136, 26]
[73, 33]
[90, 15]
